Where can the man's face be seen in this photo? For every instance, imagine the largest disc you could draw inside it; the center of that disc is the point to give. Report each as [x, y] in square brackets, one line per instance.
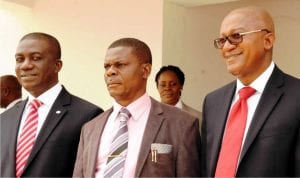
[125, 75]
[36, 66]
[169, 88]
[245, 60]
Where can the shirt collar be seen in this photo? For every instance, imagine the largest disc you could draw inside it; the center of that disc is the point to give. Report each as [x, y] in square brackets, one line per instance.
[136, 108]
[13, 103]
[179, 104]
[259, 83]
[49, 96]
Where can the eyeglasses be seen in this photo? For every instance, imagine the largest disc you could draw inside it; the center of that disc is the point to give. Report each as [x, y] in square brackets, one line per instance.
[235, 38]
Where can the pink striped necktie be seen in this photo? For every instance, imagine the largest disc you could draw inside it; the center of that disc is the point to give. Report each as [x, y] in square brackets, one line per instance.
[233, 136]
[27, 137]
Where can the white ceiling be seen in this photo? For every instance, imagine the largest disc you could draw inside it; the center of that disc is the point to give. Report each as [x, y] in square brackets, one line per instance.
[186, 3]
[193, 3]
[27, 3]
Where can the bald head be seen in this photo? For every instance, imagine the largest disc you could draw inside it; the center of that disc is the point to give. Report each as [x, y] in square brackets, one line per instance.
[251, 17]
[10, 89]
[252, 54]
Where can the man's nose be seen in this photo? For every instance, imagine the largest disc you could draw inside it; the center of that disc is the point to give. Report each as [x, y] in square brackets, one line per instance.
[111, 71]
[26, 64]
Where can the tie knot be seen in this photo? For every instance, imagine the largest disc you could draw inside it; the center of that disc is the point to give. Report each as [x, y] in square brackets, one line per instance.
[246, 92]
[124, 115]
[35, 104]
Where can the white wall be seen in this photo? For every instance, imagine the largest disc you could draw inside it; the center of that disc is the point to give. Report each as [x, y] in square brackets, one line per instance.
[85, 29]
[176, 34]
[188, 37]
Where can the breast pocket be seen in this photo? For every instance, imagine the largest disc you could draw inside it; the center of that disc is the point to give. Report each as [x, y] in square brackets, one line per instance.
[161, 165]
[273, 132]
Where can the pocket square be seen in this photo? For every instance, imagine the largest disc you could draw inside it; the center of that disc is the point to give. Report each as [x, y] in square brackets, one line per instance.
[161, 148]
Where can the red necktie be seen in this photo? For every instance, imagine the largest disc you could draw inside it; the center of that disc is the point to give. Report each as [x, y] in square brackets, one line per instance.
[233, 136]
[27, 137]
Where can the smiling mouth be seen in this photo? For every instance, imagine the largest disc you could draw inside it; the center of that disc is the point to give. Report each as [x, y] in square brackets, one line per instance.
[113, 84]
[28, 76]
[231, 56]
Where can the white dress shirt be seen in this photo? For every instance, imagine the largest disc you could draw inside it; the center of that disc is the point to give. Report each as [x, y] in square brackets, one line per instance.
[47, 98]
[179, 104]
[252, 102]
[139, 110]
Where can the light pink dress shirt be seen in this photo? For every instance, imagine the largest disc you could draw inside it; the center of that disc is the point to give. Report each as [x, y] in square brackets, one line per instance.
[139, 110]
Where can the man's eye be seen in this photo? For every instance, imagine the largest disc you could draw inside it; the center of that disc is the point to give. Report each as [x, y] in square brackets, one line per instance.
[19, 59]
[221, 40]
[235, 36]
[106, 67]
[119, 65]
[36, 58]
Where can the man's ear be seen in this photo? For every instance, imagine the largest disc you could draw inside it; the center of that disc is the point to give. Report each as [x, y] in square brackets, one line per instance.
[269, 40]
[58, 65]
[146, 69]
[5, 91]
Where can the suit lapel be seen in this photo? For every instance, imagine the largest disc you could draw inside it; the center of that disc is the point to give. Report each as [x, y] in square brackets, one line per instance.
[152, 128]
[220, 122]
[14, 122]
[184, 107]
[268, 100]
[15, 119]
[94, 142]
[55, 114]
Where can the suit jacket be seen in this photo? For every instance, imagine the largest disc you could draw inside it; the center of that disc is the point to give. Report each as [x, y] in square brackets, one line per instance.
[167, 125]
[54, 152]
[193, 112]
[272, 144]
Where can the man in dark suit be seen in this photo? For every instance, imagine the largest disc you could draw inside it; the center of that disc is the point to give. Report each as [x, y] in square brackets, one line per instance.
[162, 141]
[271, 139]
[60, 116]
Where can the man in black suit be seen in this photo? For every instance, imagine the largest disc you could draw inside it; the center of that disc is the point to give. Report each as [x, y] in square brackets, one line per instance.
[271, 140]
[60, 117]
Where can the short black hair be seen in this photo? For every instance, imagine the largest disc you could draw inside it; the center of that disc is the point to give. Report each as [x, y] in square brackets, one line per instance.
[53, 42]
[139, 48]
[12, 83]
[175, 69]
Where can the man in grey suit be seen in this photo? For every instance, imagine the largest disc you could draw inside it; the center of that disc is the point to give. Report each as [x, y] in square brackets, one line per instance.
[163, 141]
[59, 118]
[270, 144]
